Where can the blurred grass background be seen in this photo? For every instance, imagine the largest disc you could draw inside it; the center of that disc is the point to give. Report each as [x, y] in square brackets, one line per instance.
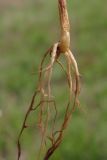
[27, 29]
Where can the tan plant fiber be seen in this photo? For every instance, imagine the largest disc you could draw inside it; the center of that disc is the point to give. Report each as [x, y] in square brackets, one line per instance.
[44, 88]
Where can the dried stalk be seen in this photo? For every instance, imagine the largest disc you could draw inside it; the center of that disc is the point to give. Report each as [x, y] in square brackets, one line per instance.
[46, 99]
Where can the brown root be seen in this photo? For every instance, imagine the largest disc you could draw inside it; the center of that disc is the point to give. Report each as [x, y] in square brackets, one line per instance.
[46, 98]
[45, 94]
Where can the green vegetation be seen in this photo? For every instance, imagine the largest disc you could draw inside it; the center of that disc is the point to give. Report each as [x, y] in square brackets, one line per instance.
[26, 30]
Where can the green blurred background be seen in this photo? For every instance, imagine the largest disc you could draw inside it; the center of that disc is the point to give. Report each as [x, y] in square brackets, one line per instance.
[27, 29]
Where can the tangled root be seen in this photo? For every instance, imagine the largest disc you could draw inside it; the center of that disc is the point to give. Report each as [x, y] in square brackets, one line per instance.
[44, 89]
[46, 99]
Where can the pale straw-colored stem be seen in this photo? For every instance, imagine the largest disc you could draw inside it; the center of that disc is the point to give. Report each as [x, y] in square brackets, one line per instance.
[65, 26]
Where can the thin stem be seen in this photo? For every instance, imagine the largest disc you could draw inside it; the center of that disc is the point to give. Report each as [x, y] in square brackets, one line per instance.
[63, 13]
[65, 26]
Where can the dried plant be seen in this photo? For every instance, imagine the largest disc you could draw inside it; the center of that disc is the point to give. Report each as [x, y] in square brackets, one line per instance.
[44, 88]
